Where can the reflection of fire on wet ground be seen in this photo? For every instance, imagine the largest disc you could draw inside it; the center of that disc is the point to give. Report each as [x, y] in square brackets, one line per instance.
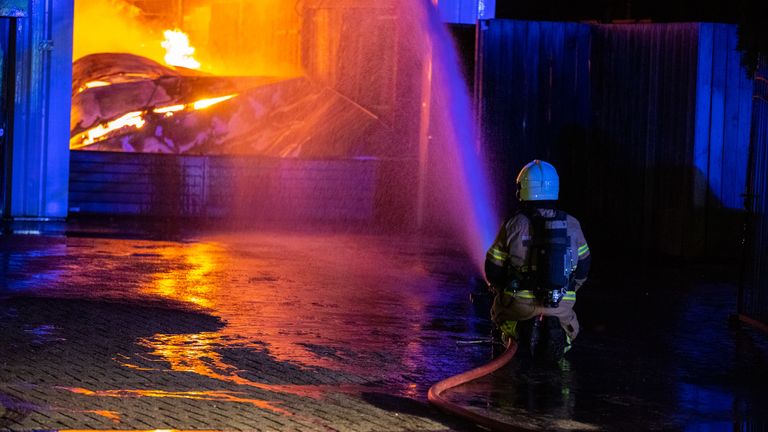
[124, 102]
[195, 395]
[283, 335]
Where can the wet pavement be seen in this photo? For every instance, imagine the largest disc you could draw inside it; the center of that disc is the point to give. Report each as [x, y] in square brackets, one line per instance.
[249, 331]
[658, 351]
[116, 329]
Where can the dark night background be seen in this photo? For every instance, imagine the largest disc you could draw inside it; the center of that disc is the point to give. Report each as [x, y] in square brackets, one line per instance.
[750, 15]
[597, 140]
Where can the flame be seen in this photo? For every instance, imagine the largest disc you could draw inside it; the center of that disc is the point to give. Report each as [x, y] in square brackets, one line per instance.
[205, 103]
[132, 119]
[93, 84]
[178, 51]
[197, 105]
[136, 119]
[168, 109]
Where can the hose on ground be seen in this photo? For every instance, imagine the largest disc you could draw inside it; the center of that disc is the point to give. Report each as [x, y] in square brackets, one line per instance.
[435, 392]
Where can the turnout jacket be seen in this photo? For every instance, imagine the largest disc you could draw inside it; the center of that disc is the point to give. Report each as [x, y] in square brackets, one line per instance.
[509, 256]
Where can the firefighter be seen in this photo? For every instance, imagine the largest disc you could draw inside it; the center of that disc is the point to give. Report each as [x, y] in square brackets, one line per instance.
[539, 259]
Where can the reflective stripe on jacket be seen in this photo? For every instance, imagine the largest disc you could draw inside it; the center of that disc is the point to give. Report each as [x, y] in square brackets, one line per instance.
[511, 248]
[528, 294]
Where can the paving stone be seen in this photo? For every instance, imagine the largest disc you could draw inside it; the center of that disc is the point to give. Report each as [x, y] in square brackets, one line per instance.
[321, 332]
[95, 341]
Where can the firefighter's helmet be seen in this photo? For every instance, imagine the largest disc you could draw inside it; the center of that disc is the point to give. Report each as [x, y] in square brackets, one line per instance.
[538, 181]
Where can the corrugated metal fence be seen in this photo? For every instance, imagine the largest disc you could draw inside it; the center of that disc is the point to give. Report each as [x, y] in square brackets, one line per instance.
[533, 95]
[721, 146]
[647, 124]
[641, 139]
[753, 296]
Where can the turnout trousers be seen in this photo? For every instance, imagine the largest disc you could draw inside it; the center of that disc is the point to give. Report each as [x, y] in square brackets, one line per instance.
[521, 306]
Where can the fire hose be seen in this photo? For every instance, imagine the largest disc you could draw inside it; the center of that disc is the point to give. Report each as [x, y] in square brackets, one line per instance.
[436, 398]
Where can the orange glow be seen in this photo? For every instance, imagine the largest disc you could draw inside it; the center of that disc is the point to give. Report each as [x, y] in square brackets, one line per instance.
[212, 395]
[114, 26]
[178, 51]
[193, 281]
[196, 353]
[263, 39]
[133, 119]
[191, 284]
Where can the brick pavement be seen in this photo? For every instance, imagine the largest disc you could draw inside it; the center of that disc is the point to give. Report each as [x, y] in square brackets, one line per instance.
[345, 332]
[87, 345]
[81, 370]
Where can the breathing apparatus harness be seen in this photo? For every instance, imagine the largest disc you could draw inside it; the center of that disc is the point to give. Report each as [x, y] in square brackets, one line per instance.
[550, 271]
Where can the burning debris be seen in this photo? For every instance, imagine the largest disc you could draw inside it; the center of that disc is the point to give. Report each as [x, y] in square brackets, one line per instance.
[139, 88]
[124, 102]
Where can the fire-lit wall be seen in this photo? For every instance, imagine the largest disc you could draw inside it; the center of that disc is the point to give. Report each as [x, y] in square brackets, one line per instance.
[247, 37]
[357, 57]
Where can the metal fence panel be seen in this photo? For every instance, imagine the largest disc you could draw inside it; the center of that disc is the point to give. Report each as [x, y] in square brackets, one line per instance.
[647, 124]
[753, 296]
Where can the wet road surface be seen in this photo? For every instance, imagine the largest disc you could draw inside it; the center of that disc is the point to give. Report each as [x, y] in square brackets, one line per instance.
[276, 331]
[232, 331]
[657, 351]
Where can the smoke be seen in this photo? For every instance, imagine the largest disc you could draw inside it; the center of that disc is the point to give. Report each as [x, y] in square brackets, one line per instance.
[255, 38]
[104, 26]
